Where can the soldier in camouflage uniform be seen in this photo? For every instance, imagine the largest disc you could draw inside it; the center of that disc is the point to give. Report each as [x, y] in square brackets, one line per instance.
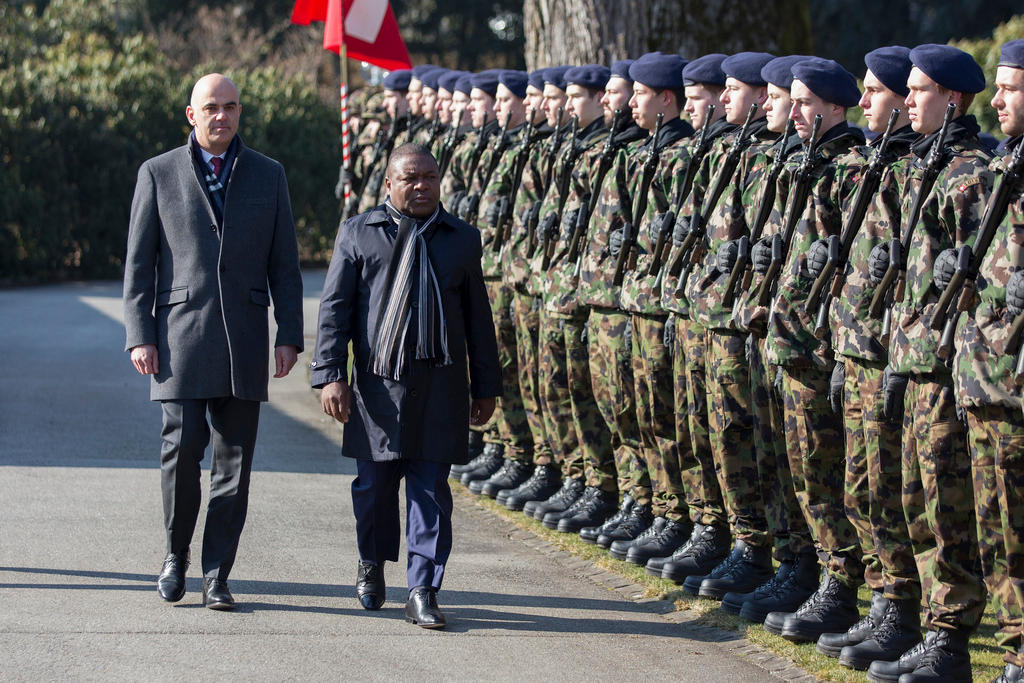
[873, 458]
[936, 464]
[396, 84]
[434, 127]
[455, 182]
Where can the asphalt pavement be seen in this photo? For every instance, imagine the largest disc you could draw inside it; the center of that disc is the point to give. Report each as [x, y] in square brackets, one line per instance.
[81, 542]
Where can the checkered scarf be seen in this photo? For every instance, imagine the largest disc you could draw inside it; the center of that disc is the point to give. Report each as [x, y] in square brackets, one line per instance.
[388, 353]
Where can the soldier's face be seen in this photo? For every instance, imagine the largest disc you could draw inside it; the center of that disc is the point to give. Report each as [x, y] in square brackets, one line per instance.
[395, 103]
[482, 107]
[414, 185]
[807, 105]
[508, 108]
[554, 99]
[428, 103]
[1009, 100]
[646, 103]
[737, 98]
[927, 102]
[617, 94]
[413, 97]
[444, 106]
[878, 102]
[214, 112]
[583, 103]
[777, 108]
[699, 100]
[460, 101]
[534, 102]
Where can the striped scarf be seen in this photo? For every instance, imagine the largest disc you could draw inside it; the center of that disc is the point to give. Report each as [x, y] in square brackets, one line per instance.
[388, 354]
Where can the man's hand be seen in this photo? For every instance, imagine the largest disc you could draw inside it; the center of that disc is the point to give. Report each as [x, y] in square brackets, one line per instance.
[336, 400]
[145, 360]
[284, 359]
[480, 411]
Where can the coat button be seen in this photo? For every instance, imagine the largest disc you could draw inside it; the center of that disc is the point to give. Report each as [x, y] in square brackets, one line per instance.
[414, 392]
[213, 226]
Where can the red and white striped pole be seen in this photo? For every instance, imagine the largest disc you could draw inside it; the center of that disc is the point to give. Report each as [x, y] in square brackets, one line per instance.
[346, 156]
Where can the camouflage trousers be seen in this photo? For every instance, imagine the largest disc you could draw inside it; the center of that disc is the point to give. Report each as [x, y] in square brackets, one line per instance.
[874, 482]
[652, 368]
[508, 426]
[526, 315]
[611, 371]
[785, 521]
[562, 350]
[939, 506]
[996, 439]
[689, 368]
[732, 435]
[814, 446]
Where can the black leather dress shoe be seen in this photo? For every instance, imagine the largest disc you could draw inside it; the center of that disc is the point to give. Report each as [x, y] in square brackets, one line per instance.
[171, 582]
[370, 587]
[422, 609]
[216, 594]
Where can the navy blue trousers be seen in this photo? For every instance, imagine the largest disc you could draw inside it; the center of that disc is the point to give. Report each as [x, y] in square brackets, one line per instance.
[428, 516]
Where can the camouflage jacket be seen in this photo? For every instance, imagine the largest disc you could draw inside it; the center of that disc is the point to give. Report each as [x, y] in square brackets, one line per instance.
[790, 337]
[619, 190]
[984, 367]
[561, 290]
[855, 333]
[492, 190]
[465, 159]
[518, 248]
[372, 190]
[950, 217]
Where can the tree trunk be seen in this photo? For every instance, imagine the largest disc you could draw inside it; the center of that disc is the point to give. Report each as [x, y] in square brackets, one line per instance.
[585, 31]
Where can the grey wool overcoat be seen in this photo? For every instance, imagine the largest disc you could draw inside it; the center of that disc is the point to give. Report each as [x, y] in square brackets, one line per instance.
[424, 415]
[201, 290]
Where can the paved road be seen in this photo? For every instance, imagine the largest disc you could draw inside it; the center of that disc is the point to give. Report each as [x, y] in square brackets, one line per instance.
[81, 542]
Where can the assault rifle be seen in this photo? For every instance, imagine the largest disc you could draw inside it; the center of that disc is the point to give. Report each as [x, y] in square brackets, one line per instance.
[503, 223]
[572, 150]
[829, 283]
[450, 140]
[629, 229]
[473, 200]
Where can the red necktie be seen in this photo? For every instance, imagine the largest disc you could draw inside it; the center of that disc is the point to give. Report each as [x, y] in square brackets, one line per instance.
[216, 163]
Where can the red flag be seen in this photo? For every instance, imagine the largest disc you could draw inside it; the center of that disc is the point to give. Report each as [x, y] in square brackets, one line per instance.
[368, 28]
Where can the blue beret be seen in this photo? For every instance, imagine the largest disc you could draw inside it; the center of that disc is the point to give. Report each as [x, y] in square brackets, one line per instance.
[536, 79]
[555, 75]
[430, 77]
[1012, 54]
[398, 80]
[593, 76]
[464, 83]
[420, 69]
[448, 80]
[891, 65]
[949, 67]
[705, 69]
[515, 81]
[779, 70]
[621, 69]
[486, 81]
[658, 70]
[829, 81]
[746, 66]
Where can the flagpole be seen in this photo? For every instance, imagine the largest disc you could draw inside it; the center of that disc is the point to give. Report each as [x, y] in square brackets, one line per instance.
[346, 159]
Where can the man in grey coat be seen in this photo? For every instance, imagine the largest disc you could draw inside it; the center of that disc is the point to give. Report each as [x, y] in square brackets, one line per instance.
[405, 288]
[210, 243]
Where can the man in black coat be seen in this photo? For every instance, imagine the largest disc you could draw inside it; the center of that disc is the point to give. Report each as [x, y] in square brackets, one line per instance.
[210, 243]
[405, 287]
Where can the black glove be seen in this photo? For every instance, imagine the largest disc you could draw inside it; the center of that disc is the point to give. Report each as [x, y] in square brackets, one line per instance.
[669, 337]
[627, 335]
[615, 240]
[944, 268]
[817, 258]
[761, 255]
[680, 230]
[748, 349]
[456, 202]
[894, 386]
[467, 206]
[835, 387]
[777, 384]
[726, 257]
[546, 227]
[961, 414]
[569, 222]
[585, 334]
[494, 211]
[878, 262]
[1015, 293]
[512, 311]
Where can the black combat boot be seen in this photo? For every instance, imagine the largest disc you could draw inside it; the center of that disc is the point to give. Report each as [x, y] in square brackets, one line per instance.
[656, 565]
[946, 659]
[492, 463]
[457, 471]
[789, 592]
[636, 521]
[589, 534]
[513, 474]
[898, 630]
[831, 644]
[620, 549]
[476, 486]
[593, 511]
[732, 602]
[663, 543]
[693, 582]
[553, 517]
[753, 568]
[831, 609]
[560, 500]
[1011, 674]
[703, 555]
[544, 481]
[890, 672]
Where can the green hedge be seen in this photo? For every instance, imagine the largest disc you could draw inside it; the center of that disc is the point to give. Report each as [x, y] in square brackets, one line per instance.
[85, 98]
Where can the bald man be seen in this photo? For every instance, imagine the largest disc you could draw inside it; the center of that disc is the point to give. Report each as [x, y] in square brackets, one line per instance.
[211, 243]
